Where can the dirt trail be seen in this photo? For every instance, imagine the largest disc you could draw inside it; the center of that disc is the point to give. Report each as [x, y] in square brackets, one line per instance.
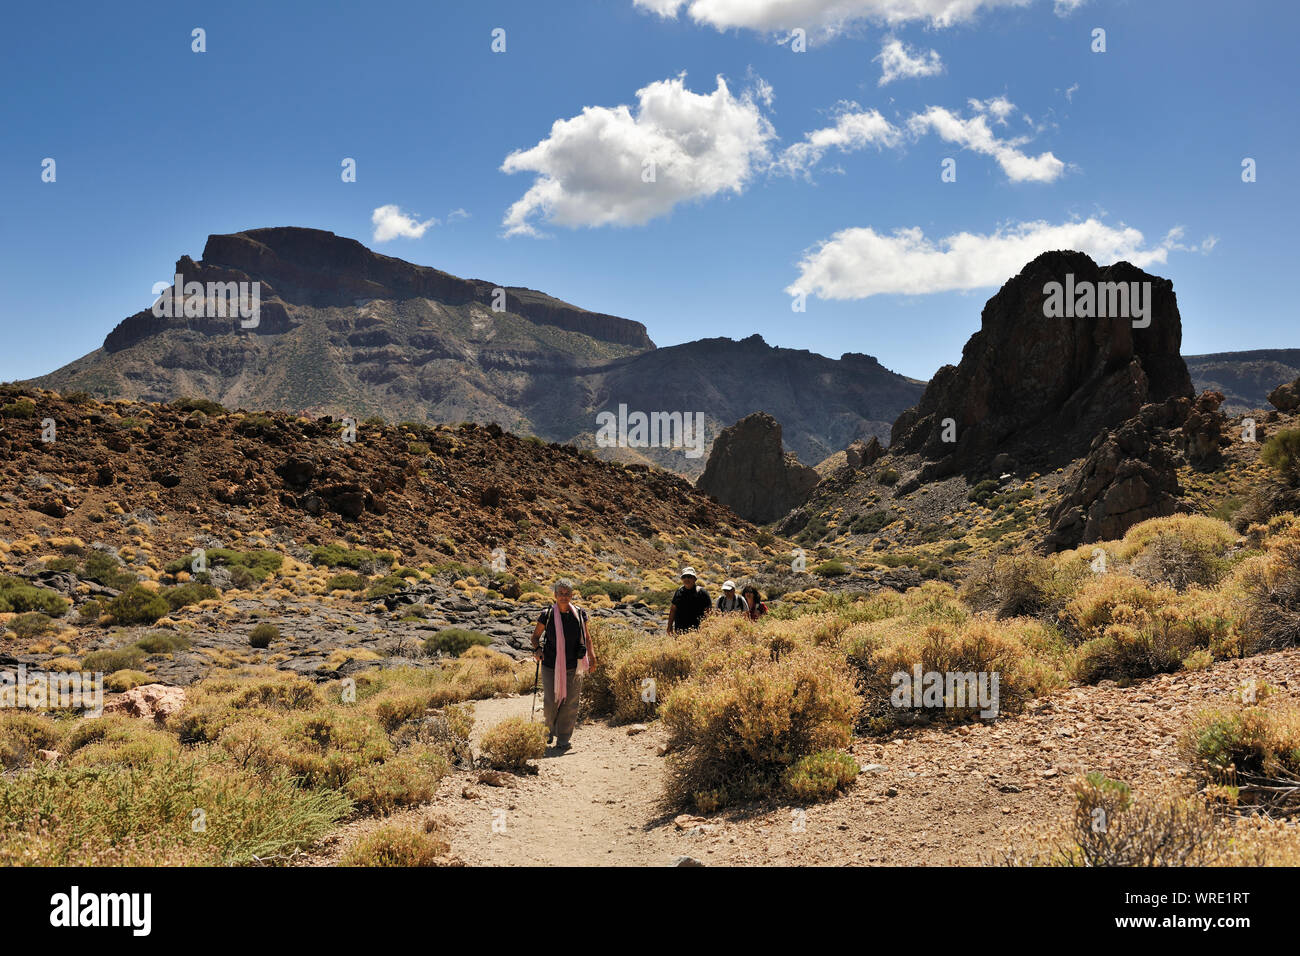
[933, 796]
[597, 805]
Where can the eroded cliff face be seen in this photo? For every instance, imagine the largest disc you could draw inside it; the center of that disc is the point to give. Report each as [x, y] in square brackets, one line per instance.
[1040, 385]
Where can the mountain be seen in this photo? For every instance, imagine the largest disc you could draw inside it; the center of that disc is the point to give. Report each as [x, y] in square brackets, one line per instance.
[1244, 378]
[345, 331]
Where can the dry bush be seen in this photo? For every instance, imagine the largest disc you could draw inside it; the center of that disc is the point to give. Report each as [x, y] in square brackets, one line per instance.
[392, 845]
[1249, 754]
[1024, 655]
[1272, 589]
[512, 743]
[734, 732]
[1109, 827]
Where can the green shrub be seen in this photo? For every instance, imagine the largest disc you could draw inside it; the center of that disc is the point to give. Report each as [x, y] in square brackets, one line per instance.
[1282, 453]
[389, 584]
[90, 611]
[512, 743]
[346, 582]
[162, 642]
[31, 624]
[23, 408]
[454, 641]
[263, 634]
[871, 522]
[820, 776]
[191, 404]
[126, 658]
[105, 569]
[334, 556]
[138, 605]
[16, 595]
[192, 592]
[615, 589]
[830, 569]
[887, 476]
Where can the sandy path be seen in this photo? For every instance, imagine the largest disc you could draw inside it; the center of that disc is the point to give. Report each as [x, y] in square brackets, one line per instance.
[930, 796]
[597, 805]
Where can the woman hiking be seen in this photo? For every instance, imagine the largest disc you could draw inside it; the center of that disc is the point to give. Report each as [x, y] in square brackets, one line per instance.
[754, 606]
[564, 628]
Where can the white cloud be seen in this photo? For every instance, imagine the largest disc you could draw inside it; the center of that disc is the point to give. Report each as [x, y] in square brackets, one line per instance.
[974, 134]
[829, 16]
[899, 61]
[390, 223]
[1070, 91]
[860, 262]
[457, 214]
[590, 168]
[1063, 8]
[854, 129]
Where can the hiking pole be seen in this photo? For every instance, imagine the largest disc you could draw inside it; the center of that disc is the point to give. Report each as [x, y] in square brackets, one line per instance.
[536, 671]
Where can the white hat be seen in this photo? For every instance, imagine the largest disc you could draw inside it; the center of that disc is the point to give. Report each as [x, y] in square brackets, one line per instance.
[729, 586]
[688, 572]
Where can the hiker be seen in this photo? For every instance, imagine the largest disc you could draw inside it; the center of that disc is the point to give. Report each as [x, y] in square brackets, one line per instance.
[690, 604]
[753, 602]
[564, 626]
[730, 600]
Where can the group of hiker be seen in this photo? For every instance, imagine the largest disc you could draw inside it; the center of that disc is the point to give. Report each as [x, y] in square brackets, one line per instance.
[691, 603]
[563, 651]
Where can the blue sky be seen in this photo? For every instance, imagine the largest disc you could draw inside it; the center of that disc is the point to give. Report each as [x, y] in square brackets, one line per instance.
[1132, 153]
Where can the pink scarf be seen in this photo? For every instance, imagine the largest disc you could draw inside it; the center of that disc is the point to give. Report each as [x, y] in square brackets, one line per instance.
[561, 656]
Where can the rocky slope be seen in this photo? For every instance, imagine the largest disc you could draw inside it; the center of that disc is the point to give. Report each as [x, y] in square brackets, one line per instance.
[345, 331]
[1244, 378]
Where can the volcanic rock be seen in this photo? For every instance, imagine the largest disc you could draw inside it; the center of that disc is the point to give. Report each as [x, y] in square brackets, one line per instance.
[1040, 387]
[750, 472]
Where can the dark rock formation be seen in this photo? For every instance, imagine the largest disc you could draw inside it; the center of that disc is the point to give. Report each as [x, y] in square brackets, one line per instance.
[750, 472]
[861, 453]
[1041, 388]
[1202, 436]
[1128, 476]
[1286, 398]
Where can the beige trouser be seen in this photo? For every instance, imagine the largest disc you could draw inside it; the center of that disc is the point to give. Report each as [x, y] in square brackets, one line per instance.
[563, 721]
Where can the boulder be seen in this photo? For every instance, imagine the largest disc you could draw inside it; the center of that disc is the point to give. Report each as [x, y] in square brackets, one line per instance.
[750, 472]
[861, 454]
[1128, 476]
[154, 701]
[1286, 398]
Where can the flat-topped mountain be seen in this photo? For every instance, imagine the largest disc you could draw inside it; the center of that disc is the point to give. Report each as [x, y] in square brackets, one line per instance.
[1244, 378]
[345, 331]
